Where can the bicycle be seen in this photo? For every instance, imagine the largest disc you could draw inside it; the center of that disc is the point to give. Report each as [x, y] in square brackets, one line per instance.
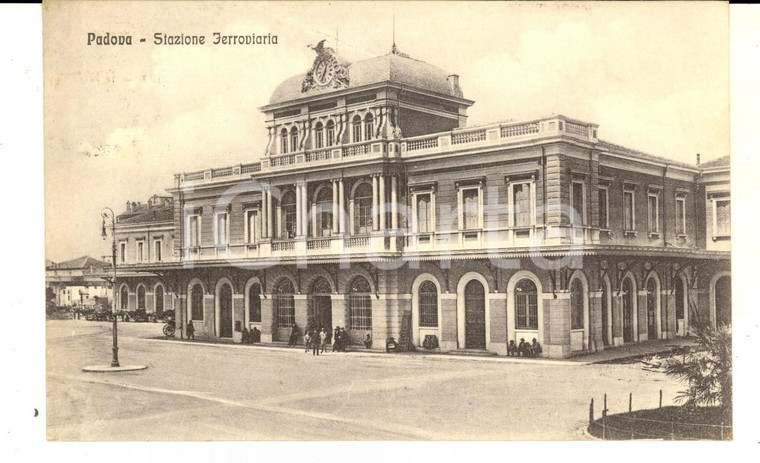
[169, 328]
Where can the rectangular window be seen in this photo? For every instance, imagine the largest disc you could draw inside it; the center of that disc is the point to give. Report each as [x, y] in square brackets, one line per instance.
[284, 309]
[424, 213]
[629, 214]
[680, 216]
[723, 217]
[526, 306]
[220, 229]
[523, 204]
[123, 252]
[578, 193]
[158, 251]
[253, 226]
[653, 217]
[604, 208]
[470, 208]
[360, 308]
[140, 250]
[194, 231]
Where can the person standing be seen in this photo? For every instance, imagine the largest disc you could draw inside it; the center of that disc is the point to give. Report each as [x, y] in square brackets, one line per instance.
[323, 340]
[190, 330]
[306, 341]
[316, 343]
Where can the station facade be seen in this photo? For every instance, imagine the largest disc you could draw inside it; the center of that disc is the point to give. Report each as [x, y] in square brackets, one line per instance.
[374, 201]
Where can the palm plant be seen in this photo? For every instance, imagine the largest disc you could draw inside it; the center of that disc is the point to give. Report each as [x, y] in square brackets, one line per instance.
[707, 368]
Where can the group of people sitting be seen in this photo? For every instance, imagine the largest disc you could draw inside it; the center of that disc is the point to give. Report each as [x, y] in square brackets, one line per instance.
[251, 337]
[524, 349]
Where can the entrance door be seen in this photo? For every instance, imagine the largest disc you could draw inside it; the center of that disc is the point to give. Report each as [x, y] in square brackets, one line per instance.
[475, 315]
[605, 320]
[723, 301]
[628, 310]
[651, 309]
[321, 312]
[225, 311]
[680, 309]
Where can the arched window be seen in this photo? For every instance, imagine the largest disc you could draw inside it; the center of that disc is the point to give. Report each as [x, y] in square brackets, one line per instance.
[141, 297]
[526, 304]
[330, 133]
[363, 209]
[360, 304]
[284, 141]
[288, 211]
[652, 308]
[357, 129]
[576, 305]
[321, 287]
[196, 303]
[368, 127]
[324, 212]
[124, 298]
[284, 304]
[294, 139]
[159, 299]
[254, 303]
[319, 135]
[723, 301]
[428, 303]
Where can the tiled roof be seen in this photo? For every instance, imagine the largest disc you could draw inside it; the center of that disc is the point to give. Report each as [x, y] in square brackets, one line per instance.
[83, 262]
[724, 161]
[395, 68]
[147, 214]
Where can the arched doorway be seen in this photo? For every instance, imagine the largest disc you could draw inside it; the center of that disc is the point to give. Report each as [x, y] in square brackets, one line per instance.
[254, 303]
[577, 315]
[225, 311]
[652, 309]
[628, 310]
[679, 290]
[159, 300]
[124, 298]
[141, 297]
[319, 312]
[723, 301]
[475, 315]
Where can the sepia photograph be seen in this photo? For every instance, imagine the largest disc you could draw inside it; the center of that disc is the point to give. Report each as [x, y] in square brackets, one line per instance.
[391, 221]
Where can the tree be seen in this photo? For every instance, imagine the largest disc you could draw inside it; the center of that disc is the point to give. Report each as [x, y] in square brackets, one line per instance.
[706, 369]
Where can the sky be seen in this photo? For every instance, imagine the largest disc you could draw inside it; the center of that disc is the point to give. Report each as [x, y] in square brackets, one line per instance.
[120, 121]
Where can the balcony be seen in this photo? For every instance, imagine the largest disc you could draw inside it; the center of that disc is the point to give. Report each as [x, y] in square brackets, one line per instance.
[211, 176]
[497, 135]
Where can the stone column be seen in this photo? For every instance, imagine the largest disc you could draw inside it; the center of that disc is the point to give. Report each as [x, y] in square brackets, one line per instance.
[269, 213]
[314, 213]
[301, 307]
[336, 208]
[381, 201]
[448, 322]
[341, 207]
[267, 318]
[299, 209]
[279, 218]
[304, 209]
[263, 213]
[374, 203]
[394, 202]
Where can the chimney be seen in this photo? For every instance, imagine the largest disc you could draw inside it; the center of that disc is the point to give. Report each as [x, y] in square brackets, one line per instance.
[697, 158]
[129, 207]
[453, 81]
[134, 207]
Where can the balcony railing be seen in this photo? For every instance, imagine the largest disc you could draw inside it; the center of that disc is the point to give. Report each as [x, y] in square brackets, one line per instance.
[498, 134]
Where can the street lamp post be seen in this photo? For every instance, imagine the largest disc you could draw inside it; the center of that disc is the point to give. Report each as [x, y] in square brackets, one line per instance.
[106, 214]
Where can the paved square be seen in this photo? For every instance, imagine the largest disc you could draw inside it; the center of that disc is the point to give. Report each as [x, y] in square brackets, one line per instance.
[197, 391]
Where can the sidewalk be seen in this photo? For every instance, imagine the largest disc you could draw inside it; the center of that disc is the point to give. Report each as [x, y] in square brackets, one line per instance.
[621, 354]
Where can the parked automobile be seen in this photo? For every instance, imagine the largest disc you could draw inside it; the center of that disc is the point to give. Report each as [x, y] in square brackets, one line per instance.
[138, 315]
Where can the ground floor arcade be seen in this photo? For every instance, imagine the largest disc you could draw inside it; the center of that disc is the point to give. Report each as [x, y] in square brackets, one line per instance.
[570, 306]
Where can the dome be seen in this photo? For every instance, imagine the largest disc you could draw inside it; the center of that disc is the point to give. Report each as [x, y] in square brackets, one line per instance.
[393, 68]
